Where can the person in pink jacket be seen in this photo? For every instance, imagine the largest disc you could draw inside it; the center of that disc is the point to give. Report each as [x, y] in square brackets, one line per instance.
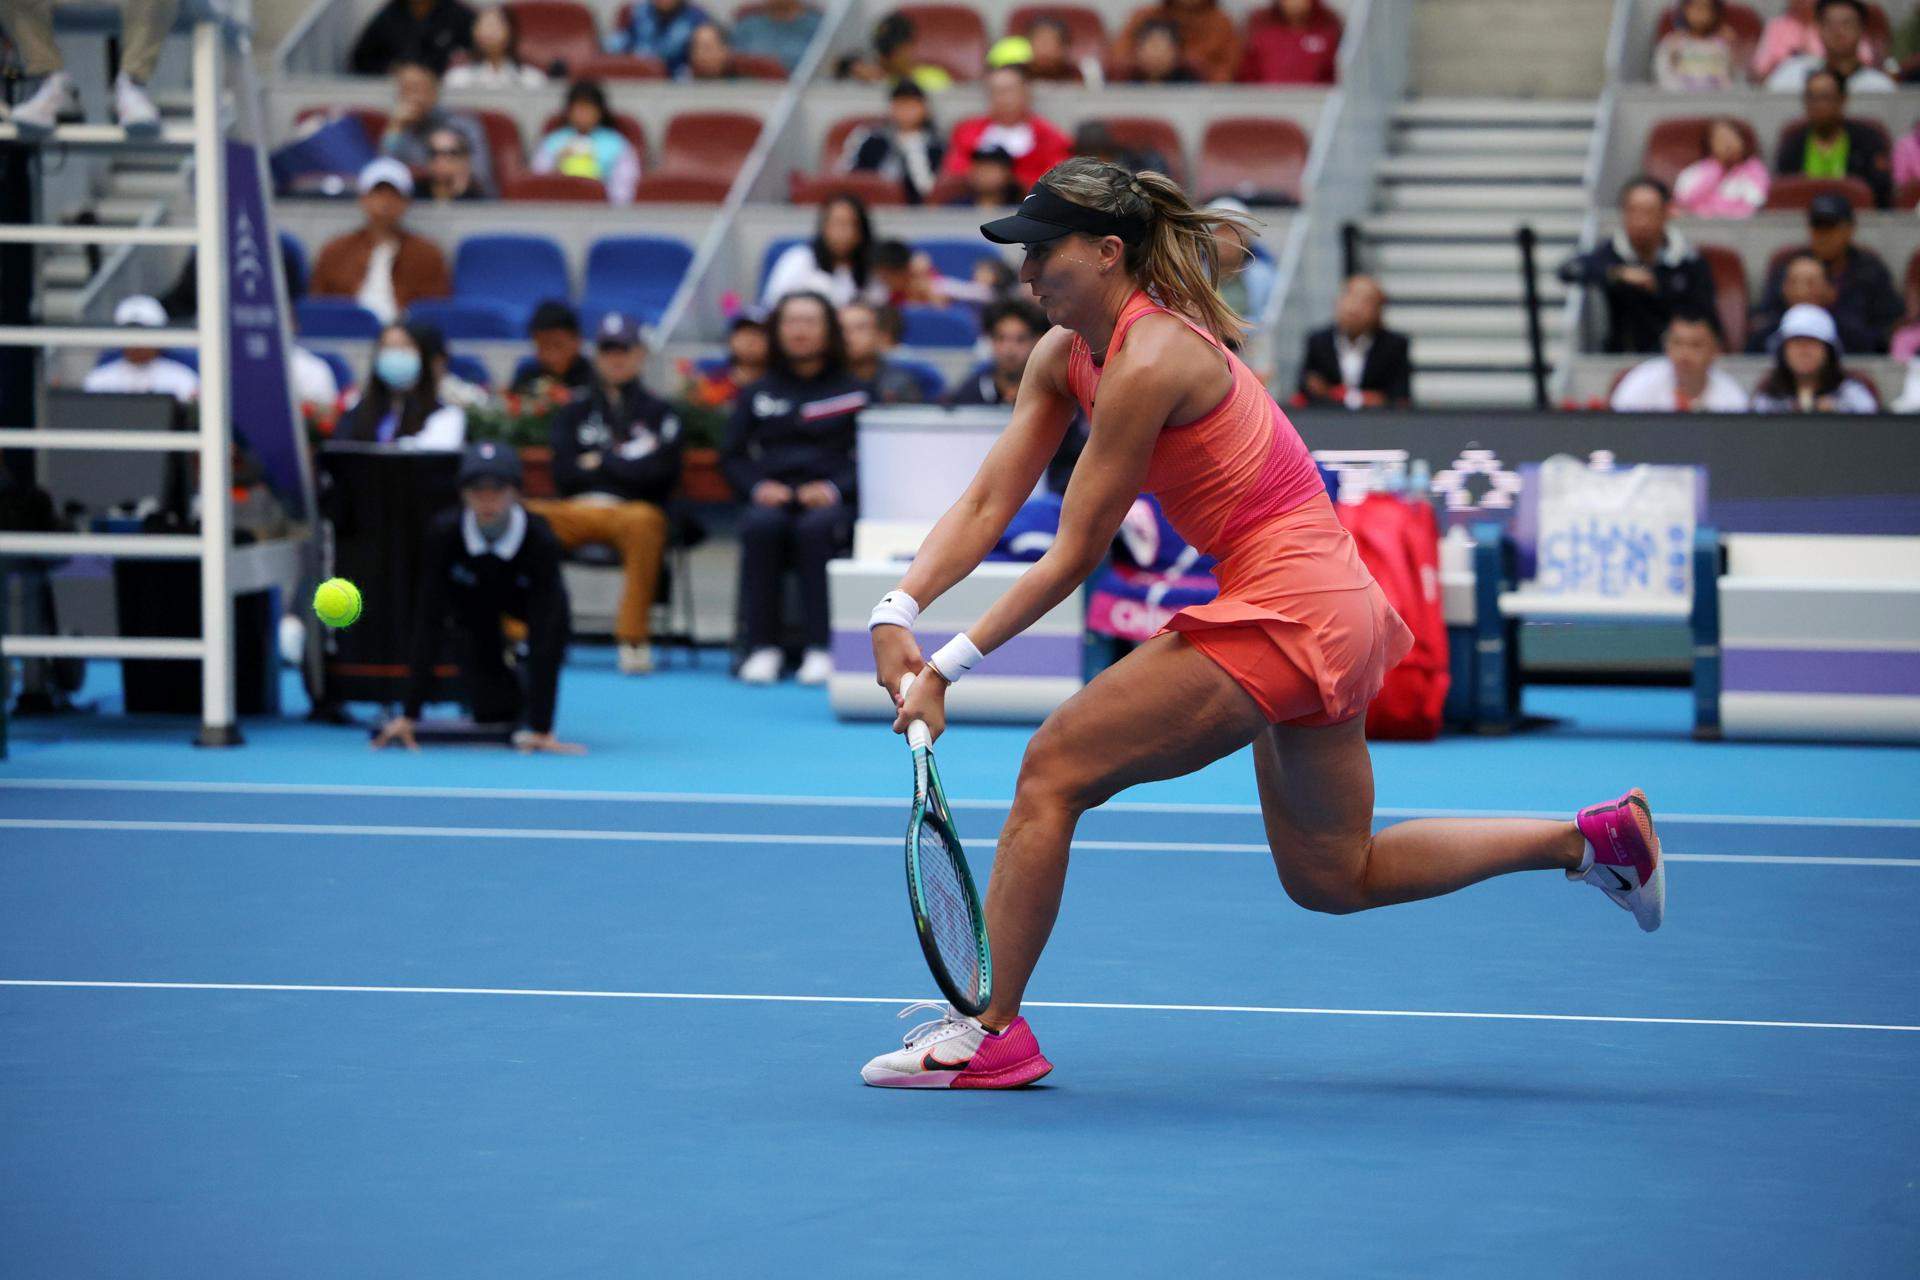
[1728, 182]
[1789, 35]
[1906, 157]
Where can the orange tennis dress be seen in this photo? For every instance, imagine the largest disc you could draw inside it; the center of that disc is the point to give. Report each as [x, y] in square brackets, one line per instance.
[1299, 622]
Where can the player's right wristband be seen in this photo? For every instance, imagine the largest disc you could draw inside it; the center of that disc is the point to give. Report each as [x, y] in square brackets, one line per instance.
[896, 609]
[955, 658]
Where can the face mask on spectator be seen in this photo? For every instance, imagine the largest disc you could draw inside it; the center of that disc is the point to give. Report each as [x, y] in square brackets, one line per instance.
[398, 367]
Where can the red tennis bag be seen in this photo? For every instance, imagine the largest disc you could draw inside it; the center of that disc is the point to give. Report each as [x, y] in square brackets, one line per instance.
[1400, 543]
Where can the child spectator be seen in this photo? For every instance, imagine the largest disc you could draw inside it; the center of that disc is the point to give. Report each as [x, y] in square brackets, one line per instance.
[660, 28]
[1646, 268]
[1906, 152]
[495, 61]
[907, 148]
[429, 31]
[417, 115]
[709, 56]
[1158, 57]
[789, 452]
[1207, 36]
[557, 361]
[1728, 182]
[1292, 42]
[1807, 376]
[1828, 145]
[142, 368]
[896, 56]
[450, 167]
[401, 403]
[1843, 50]
[586, 145]
[777, 29]
[834, 264]
[1036, 144]
[1051, 61]
[989, 181]
[382, 266]
[872, 330]
[746, 362]
[1865, 304]
[1685, 379]
[1697, 55]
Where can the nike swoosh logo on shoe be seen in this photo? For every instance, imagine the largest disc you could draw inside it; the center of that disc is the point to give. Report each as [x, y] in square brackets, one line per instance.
[931, 1063]
[1620, 882]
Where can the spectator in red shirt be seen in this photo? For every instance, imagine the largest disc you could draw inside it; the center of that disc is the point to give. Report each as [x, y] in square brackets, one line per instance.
[1035, 144]
[1291, 42]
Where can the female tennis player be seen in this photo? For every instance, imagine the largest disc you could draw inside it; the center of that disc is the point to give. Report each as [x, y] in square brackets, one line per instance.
[1286, 657]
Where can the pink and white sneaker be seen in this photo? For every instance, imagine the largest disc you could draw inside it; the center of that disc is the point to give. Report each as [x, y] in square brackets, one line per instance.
[1623, 857]
[954, 1051]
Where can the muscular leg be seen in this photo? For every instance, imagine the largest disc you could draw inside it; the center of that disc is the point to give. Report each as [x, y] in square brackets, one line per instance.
[1316, 793]
[1164, 710]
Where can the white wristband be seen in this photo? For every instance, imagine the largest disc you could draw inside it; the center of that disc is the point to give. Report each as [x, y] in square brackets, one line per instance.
[955, 658]
[896, 609]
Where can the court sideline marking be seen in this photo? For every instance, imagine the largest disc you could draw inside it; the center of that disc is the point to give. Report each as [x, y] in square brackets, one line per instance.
[574, 834]
[1118, 1006]
[849, 802]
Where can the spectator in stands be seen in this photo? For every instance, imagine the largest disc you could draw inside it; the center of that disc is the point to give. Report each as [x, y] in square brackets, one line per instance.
[401, 404]
[777, 29]
[1788, 35]
[1697, 55]
[1842, 25]
[1207, 37]
[1730, 181]
[660, 28]
[313, 380]
[901, 276]
[1094, 138]
[747, 352]
[906, 148]
[616, 461]
[1828, 145]
[1246, 280]
[382, 266]
[47, 93]
[586, 145]
[990, 183]
[417, 115]
[492, 575]
[1357, 361]
[557, 359]
[709, 54]
[1803, 279]
[1036, 144]
[1685, 379]
[789, 451]
[896, 56]
[834, 264]
[1292, 42]
[139, 368]
[450, 167]
[1646, 268]
[1906, 152]
[1051, 60]
[872, 330]
[495, 62]
[1011, 329]
[1865, 303]
[1158, 57]
[1807, 376]
[429, 31]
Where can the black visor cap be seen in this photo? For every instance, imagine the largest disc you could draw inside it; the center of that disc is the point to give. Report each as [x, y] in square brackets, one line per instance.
[1046, 215]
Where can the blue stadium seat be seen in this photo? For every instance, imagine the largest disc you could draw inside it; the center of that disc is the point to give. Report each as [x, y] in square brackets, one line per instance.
[710, 366]
[334, 318]
[634, 274]
[343, 375]
[519, 272]
[932, 385]
[470, 369]
[188, 356]
[293, 257]
[458, 319]
[940, 326]
[955, 258]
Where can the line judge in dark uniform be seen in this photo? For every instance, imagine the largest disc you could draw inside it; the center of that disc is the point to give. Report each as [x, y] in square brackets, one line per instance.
[1357, 361]
[492, 573]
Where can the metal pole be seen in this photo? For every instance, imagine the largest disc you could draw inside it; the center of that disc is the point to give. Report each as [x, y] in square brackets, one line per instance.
[1536, 340]
[1349, 250]
[217, 726]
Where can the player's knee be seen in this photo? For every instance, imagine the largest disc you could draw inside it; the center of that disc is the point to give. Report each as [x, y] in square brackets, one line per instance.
[1335, 887]
[1052, 774]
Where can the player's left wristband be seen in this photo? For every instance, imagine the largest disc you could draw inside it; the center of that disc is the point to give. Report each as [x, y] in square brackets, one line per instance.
[896, 609]
[955, 658]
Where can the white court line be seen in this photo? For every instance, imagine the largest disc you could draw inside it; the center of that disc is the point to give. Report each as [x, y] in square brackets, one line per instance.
[850, 802]
[589, 835]
[1125, 1007]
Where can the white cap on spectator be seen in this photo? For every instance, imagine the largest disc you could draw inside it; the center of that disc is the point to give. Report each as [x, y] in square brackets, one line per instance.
[1804, 320]
[140, 310]
[1227, 204]
[389, 171]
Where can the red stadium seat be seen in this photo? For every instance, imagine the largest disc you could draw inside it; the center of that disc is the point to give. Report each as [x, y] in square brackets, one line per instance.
[1913, 286]
[1730, 295]
[630, 129]
[836, 143]
[947, 189]
[758, 66]
[620, 66]
[1797, 192]
[508, 153]
[1674, 144]
[950, 36]
[1253, 158]
[1907, 197]
[553, 186]
[818, 188]
[1086, 32]
[687, 188]
[1150, 133]
[1747, 25]
[708, 143]
[553, 31]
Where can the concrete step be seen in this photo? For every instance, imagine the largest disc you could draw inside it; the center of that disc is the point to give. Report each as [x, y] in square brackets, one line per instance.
[1501, 111]
[1507, 354]
[1518, 167]
[1466, 286]
[1472, 390]
[151, 183]
[1422, 255]
[1496, 200]
[1540, 140]
[60, 306]
[123, 211]
[68, 271]
[1471, 320]
[1559, 228]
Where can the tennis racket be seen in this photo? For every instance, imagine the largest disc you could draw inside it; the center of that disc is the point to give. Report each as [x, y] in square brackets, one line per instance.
[946, 907]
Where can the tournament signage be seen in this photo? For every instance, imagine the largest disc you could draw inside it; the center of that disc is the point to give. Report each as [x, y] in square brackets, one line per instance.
[261, 403]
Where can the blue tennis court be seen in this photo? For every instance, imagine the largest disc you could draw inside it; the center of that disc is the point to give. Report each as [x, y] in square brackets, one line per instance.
[301, 1010]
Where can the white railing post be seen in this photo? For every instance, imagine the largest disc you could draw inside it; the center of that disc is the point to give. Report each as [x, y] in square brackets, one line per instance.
[217, 723]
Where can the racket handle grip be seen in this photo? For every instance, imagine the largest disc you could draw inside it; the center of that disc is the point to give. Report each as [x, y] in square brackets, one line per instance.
[918, 737]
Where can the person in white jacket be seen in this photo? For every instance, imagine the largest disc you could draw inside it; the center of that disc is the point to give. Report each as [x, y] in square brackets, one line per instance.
[1685, 379]
[139, 368]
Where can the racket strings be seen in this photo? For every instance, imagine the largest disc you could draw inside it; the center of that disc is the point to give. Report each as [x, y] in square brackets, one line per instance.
[949, 913]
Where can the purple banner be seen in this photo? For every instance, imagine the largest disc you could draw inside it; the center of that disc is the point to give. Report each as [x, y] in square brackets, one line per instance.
[260, 403]
[1021, 656]
[1820, 671]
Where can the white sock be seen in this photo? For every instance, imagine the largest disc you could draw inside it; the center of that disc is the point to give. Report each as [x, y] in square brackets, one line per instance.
[1586, 861]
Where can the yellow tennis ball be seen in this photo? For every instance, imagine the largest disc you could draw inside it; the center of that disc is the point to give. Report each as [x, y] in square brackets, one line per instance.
[337, 602]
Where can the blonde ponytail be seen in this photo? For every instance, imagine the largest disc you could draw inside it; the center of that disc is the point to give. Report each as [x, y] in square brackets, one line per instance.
[1178, 260]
